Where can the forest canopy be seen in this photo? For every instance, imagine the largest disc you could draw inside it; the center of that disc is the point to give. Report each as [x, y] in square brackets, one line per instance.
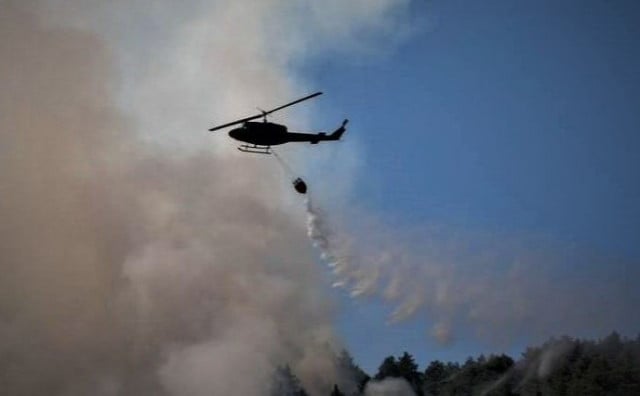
[560, 366]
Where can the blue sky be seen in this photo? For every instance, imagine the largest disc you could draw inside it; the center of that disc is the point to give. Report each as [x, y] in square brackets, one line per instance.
[501, 117]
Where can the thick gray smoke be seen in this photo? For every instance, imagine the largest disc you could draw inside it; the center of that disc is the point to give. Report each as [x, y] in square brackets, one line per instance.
[500, 288]
[133, 261]
[389, 387]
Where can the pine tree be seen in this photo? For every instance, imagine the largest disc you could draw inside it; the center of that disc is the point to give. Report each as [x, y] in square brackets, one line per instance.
[352, 372]
[408, 369]
[434, 377]
[388, 368]
[336, 391]
[285, 383]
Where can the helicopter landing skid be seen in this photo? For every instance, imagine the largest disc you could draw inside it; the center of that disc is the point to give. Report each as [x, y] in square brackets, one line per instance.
[255, 149]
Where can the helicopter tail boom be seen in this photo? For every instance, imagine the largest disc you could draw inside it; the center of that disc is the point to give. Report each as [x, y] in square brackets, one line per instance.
[336, 135]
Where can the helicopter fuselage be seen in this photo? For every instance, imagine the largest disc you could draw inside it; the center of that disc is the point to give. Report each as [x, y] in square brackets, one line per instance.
[261, 133]
[266, 134]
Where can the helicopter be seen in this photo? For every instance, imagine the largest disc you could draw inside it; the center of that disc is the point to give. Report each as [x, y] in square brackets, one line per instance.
[258, 137]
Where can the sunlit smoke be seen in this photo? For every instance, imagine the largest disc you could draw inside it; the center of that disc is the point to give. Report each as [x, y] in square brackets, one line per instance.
[135, 259]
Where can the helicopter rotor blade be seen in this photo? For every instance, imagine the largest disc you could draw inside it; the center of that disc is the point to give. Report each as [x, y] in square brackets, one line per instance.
[215, 128]
[264, 113]
[292, 103]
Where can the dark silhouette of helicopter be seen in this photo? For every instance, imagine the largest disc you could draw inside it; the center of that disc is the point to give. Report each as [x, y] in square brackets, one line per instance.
[260, 136]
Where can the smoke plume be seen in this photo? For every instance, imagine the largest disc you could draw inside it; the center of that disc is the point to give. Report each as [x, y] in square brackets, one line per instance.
[134, 261]
[389, 387]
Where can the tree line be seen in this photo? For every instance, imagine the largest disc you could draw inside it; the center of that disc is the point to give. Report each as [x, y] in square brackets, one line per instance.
[561, 366]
